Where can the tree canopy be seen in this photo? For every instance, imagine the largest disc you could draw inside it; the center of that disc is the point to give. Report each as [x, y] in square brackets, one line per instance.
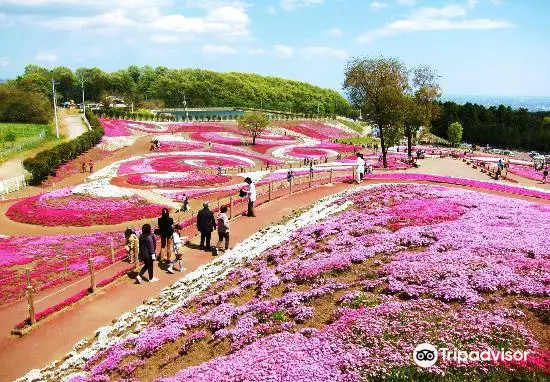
[377, 87]
[255, 123]
[454, 133]
[200, 88]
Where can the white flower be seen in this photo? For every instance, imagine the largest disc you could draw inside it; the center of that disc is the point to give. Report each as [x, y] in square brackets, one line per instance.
[103, 189]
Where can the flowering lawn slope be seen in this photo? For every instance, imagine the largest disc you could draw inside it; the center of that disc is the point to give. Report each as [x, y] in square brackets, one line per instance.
[184, 179]
[64, 208]
[348, 298]
[182, 162]
[315, 129]
[312, 151]
[44, 256]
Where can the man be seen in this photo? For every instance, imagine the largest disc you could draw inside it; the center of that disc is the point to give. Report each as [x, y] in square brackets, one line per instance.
[251, 192]
[205, 225]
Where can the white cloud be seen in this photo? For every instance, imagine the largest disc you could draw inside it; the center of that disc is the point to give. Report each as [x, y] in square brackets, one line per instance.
[377, 5]
[46, 57]
[4, 61]
[256, 52]
[429, 19]
[109, 20]
[163, 39]
[271, 10]
[283, 51]
[225, 22]
[290, 5]
[496, 2]
[218, 49]
[472, 3]
[324, 51]
[407, 3]
[334, 32]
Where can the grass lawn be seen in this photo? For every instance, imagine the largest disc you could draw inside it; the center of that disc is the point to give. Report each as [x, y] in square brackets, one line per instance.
[27, 136]
[357, 126]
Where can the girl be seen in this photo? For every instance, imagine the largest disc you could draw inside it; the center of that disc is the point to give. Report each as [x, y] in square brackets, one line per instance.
[178, 249]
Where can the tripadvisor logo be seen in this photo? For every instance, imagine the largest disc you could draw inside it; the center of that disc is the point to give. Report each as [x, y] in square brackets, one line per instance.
[426, 355]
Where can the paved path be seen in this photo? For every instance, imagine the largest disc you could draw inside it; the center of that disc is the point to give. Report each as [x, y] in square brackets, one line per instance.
[71, 126]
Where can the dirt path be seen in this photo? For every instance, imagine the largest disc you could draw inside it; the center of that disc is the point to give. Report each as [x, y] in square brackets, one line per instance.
[73, 126]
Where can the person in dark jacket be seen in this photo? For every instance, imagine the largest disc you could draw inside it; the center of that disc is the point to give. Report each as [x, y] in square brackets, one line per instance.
[166, 231]
[147, 250]
[205, 225]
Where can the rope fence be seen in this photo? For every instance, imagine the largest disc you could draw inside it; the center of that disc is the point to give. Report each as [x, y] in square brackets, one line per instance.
[266, 192]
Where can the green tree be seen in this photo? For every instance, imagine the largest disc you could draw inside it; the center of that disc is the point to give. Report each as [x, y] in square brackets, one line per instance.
[454, 133]
[377, 87]
[254, 122]
[420, 106]
[18, 105]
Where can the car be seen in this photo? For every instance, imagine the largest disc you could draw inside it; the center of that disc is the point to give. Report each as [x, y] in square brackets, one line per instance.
[508, 152]
[533, 154]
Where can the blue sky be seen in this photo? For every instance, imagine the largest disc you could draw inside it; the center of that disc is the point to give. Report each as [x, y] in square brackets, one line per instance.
[491, 47]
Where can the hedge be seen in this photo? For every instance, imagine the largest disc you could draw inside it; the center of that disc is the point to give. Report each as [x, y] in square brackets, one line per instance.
[46, 162]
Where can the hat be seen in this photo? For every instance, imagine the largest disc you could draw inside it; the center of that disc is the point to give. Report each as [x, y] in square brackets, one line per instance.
[205, 204]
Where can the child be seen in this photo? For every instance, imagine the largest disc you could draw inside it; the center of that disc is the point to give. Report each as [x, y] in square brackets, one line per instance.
[178, 249]
[130, 246]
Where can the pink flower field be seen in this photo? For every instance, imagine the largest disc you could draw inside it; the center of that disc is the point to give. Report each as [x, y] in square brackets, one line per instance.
[44, 255]
[315, 129]
[348, 298]
[190, 179]
[62, 208]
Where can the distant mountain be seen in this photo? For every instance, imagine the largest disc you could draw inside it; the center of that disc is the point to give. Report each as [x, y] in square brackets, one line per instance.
[532, 103]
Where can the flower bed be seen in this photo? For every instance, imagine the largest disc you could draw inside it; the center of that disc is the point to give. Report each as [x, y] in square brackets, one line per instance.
[185, 179]
[121, 127]
[315, 129]
[166, 146]
[317, 151]
[63, 208]
[225, 149]
[526, 172]
[44, 255]
[182, 162]
[346, 298]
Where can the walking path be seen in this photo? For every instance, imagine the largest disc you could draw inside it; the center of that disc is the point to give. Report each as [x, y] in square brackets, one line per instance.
[71, 126]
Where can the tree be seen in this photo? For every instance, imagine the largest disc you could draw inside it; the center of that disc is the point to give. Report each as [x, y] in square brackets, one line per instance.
[254, 122]
[454, 133]
[377, 87]
[420, 107]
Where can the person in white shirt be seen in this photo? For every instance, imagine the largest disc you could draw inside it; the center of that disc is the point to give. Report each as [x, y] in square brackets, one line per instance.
[359, 167]
[178, 249]
[251, 192]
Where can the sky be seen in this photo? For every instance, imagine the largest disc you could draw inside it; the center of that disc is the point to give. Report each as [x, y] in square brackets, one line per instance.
[478, 47]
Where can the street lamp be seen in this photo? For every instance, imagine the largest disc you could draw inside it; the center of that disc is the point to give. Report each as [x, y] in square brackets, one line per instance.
[55, 109]
[185, 106]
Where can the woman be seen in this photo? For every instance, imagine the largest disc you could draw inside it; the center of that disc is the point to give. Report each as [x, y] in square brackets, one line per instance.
[165, 223]
[147, 249]
[360, 168]
[223, 230]
[251, 192]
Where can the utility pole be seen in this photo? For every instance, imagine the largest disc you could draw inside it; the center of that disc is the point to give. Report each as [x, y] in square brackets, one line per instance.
[55, 109]
[83, 103]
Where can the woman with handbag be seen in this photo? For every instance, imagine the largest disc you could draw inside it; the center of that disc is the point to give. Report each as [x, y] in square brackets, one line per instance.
[250, 190]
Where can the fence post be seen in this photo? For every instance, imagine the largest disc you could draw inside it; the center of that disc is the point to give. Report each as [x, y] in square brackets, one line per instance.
[353, 174]
[30, 302]
[310, 178]
[269, 191]
[112, 252]
[92, 275]
[330, 178]
[230, 206]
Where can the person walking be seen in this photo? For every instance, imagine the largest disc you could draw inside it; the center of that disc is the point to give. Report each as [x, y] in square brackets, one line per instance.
[91, 165]
[83, 167]
[359, 168]
[205, 225]
[544, 175]
[251, 192]
[223, 230]
[147, 250]
[165, 223]
[178, 250]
